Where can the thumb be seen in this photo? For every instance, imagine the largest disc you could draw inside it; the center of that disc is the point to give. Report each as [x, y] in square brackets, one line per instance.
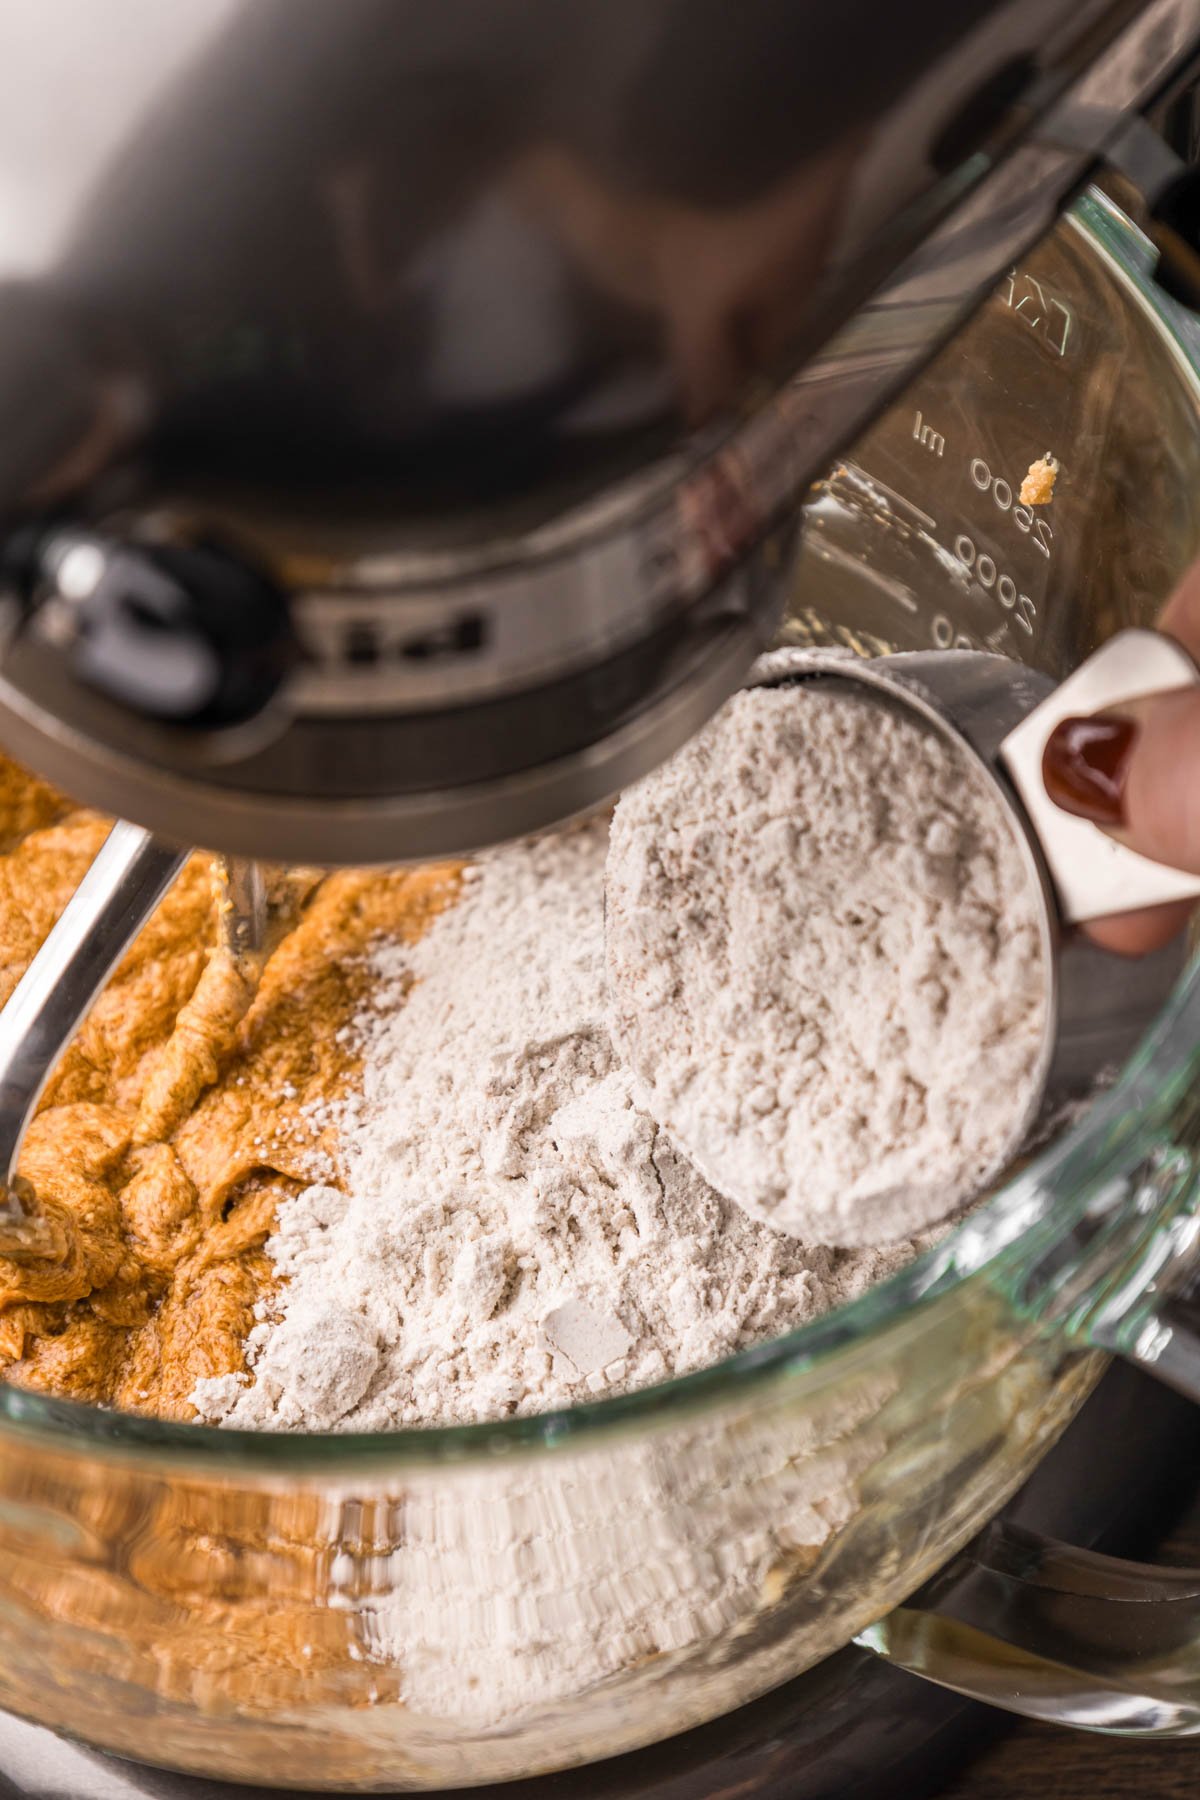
[1136, 773]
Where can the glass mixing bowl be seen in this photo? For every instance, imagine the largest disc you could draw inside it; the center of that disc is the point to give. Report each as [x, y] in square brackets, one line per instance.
[470, 1605]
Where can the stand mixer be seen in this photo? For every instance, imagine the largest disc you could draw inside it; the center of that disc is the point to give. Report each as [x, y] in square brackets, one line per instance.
[405, 418]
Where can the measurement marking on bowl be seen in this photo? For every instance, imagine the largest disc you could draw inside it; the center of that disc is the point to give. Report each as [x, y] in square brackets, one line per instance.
[1036, 311]
[933, 441]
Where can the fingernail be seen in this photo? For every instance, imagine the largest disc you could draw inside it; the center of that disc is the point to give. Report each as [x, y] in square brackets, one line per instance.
[1084, 766]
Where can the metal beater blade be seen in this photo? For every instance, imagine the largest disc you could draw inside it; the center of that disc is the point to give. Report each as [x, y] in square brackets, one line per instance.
[122, 887]
[262, 904]
[133, 870]
[257, 905]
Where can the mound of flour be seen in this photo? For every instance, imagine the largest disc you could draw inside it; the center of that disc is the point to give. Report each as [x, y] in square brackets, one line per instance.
[825, 964]
[511, 1231]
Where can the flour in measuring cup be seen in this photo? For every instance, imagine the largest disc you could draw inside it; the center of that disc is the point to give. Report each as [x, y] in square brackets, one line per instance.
[825, 964]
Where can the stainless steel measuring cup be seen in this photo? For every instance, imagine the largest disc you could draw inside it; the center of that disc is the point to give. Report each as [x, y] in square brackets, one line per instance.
[1000, 714]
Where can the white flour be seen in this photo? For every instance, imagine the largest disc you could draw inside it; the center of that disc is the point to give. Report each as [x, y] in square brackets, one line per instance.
[515, 1234]
[825, 964]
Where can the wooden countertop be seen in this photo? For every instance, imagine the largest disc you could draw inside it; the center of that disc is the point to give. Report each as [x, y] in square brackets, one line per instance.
[1042, 1762]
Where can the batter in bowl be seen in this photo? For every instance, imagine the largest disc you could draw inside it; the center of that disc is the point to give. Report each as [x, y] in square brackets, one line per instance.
[164, 1230]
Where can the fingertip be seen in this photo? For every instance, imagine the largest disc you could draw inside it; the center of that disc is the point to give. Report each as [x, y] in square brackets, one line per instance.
[1161, 788]
[1180, 617]
[1140, 933]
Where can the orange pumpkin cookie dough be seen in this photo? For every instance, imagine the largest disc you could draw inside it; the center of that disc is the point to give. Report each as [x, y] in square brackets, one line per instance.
[178, 1117]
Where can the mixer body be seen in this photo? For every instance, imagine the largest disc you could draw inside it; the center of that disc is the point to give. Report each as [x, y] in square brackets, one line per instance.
[479, 358]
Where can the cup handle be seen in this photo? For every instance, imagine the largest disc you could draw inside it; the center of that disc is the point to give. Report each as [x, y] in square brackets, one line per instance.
[1039, 1628]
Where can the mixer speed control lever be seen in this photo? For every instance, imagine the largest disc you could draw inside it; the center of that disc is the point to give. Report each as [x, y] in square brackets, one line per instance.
[185, 633]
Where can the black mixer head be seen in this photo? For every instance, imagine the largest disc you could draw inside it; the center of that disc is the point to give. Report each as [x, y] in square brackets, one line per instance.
[404, 410]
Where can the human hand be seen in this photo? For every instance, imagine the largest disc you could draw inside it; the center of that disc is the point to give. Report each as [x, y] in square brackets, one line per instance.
[1136, 773]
